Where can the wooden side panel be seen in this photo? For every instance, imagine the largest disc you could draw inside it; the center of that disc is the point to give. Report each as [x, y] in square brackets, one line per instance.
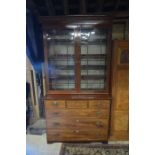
[121, 121]
[122, 89]
[120, 92]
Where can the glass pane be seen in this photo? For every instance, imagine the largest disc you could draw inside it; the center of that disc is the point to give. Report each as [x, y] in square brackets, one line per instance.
[61, 59]
[93, 59]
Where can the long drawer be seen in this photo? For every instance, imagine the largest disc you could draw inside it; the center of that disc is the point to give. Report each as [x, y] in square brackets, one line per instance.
[67, 113]
[77, 135]
[77, 123]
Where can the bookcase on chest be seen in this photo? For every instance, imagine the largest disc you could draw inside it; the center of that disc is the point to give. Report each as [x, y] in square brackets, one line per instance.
[78, 70]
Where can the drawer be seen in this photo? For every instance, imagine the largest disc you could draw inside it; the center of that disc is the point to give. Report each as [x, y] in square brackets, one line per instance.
[67, 113]
[54, 104]
[77, 135]
[77, 123]
[105, 104]
[77, 104]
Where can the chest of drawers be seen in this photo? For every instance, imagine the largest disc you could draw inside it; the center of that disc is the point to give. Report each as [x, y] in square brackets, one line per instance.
[77, 120]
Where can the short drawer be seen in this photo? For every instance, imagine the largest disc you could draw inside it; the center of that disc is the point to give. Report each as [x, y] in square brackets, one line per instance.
[77, 104]
[104, 104]
[77, 135]
[54, 104]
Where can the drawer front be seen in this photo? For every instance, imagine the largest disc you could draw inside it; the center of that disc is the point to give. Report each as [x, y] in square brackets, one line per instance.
[77, 104]
[105, 104]
[77, 123]
[54, 104]
[85, 113]
[77, 135]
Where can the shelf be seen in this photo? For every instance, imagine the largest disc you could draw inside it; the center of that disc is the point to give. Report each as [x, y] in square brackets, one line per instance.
[63, 77]
[59, 84]
[93, 56]
[83, 56]
[83, 42]
[92, 67]
[64, 67]
[83, 67]
[93, 77]
[94, 42]
[92, 88]
[83, 77]
[61, 56]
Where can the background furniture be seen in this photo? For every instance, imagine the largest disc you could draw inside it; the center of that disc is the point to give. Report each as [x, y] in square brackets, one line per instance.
[120, 91]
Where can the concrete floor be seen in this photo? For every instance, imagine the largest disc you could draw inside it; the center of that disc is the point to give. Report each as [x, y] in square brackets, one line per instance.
[37, 145]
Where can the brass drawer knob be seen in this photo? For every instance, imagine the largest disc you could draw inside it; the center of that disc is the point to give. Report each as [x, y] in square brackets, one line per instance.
[98, 135]
[56, 113]
[56, 135]
[56, 124]
[98, 113]
[77, 131]
[55, 103]
[98, 124]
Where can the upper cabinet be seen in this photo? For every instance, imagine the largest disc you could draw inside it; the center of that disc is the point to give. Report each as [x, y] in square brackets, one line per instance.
[77, 53]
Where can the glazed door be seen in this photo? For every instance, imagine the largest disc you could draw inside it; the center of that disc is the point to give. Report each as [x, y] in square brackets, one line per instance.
[60, 59]
[94, 53]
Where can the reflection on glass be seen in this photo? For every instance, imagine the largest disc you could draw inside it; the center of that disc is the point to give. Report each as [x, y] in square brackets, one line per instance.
[61, 63]
[93, 59]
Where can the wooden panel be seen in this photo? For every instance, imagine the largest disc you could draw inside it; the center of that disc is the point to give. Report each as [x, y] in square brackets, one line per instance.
[123, 56]
[77, 123]
[54, 104]
[121, 121]
[67, 113]
[76, 135]
[105, 104]
[122, 90]
[85, 95]
[77, 104]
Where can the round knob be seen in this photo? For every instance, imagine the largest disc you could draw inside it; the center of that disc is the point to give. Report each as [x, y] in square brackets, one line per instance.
[77, 131]
[98, 124]
[77, 120]
[55, 103]
[98, 135]
[98, 113]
